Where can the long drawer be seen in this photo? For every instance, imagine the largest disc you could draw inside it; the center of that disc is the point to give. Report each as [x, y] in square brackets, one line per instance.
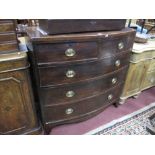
[8, 47]
[6, 26]
[79, 91]
[49, 53]
[7, 37]
[74, 110]
[65, 74]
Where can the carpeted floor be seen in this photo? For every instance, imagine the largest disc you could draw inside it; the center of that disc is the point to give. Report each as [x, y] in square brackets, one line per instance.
[131, 124]
[108, 115]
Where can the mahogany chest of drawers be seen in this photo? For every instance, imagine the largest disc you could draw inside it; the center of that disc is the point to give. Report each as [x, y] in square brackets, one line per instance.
[78, 75]
[8, 38]
[17, 108]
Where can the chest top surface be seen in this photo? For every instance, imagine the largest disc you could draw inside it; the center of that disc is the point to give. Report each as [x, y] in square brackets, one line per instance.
[36, 35]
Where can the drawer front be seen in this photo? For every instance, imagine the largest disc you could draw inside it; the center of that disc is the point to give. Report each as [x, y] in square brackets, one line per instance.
[7, 37]
[6, 27]
[5, 20]
[79, 51]
[9, 65]
[74, 110]
[8, 47]
[47, 53]
[115, 45]
[58, 75]
[80, 91]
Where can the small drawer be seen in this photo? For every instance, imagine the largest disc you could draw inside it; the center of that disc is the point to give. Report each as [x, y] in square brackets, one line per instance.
[8, 47]
[76, 110]
[13, 61]
[66, 74]
[7, 27]
[64, 52]
[7, 37]
[55, 53]
[79, 91]
[114, 45]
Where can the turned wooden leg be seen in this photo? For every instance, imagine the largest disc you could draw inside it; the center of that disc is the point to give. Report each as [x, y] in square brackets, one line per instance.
[136, 96]
[116, 104]
[47, 130]
[122, 101]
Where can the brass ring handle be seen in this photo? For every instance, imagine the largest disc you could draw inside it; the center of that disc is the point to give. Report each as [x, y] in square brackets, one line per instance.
[114, 80]
[110, 97]
[117, 63]
[70, 93]
[70, 52]
[121, 45]
[69, 111]
[70, 73]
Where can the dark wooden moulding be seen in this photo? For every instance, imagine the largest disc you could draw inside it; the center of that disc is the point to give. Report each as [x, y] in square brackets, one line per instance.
[64, 26]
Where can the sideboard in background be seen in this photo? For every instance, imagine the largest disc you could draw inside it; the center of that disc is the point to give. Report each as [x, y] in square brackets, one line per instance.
[141, 73]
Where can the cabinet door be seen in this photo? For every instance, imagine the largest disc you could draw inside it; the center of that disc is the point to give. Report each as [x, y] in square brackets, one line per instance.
[149, 80]
[152, 65]
[134, 79]
[16, 114]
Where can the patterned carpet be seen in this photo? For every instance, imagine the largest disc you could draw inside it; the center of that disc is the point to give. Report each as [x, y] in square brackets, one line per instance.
[132, 124]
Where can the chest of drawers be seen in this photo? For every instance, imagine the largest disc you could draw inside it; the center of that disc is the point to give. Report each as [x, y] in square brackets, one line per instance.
[141, 73]
[8, 38]
[78, 75]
